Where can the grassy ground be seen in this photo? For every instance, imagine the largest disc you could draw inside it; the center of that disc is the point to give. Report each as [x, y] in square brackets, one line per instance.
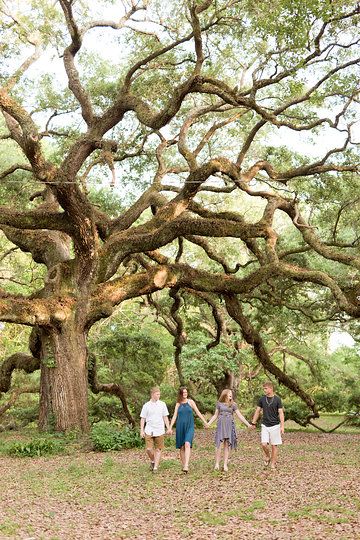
[314, 494]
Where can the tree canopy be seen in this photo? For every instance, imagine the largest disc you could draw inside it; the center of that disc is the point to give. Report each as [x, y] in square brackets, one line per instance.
[205, 149]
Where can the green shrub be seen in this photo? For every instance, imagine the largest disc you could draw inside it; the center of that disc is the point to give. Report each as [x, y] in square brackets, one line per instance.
[354, 408]
[106, 436]
[206, 402]
[296, 410]
[169, 442]
[35, 448]
[25, 414]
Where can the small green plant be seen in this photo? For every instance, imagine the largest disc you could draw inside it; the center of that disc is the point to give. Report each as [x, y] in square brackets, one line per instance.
[209, 518]
[169, 442]
[106, 436]
[8, 528]
[35, 448]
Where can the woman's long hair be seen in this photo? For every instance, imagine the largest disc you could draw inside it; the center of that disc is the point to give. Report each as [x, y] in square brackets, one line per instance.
[224, 396]
[180, 395]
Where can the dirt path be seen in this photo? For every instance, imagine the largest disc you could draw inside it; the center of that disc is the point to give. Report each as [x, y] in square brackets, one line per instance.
[314, 494]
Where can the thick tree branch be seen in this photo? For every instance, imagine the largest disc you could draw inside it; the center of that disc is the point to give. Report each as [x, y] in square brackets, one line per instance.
[25, 362]
[252, 337]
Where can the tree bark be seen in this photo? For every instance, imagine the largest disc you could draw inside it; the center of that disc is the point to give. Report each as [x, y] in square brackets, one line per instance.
[228, 381]
[63, 381]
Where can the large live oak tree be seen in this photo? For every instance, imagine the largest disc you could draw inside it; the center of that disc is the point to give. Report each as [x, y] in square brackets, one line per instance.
[192, 97]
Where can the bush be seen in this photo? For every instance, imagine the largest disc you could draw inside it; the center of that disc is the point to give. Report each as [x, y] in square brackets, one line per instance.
[106, 436]
[35, 448]
[26, 414]
[296, 410]
[354, 408]
[206, 402]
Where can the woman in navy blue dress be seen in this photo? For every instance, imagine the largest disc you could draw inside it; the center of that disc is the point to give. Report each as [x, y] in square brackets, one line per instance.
[184, 418]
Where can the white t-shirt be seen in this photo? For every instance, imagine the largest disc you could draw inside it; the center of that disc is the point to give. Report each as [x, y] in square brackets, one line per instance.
[153, 412]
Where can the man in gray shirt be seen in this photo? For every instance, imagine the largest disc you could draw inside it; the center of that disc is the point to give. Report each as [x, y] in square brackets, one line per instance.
[272, 425]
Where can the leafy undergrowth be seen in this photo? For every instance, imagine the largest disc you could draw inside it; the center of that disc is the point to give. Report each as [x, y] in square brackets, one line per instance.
[314, 494]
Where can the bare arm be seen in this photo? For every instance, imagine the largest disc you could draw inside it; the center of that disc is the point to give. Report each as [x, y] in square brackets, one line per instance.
[256, 415]
[173, 420]
[242, 418]
[214, 417]
[282, 420]
[142, 426]
[166, 421]
[194, 407]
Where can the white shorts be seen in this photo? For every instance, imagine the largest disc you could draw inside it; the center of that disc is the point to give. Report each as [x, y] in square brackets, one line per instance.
[271, 435]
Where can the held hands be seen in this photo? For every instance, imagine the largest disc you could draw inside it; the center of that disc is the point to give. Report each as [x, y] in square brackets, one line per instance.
[169, 431]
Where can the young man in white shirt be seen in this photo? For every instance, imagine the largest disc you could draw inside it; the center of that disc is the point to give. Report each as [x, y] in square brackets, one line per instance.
[154, 417]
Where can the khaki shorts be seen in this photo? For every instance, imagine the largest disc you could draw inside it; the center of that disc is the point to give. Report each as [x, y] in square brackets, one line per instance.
[156, 443]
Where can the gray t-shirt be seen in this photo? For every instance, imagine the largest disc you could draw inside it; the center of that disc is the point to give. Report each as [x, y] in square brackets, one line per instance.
[270, 407]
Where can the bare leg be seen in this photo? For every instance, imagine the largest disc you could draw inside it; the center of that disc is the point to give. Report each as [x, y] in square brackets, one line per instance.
[182, 456]
[226, 455]
[274, 453]
[266, 451]
[150, 453]
[217, 458]
[187, 453]
[157, 458]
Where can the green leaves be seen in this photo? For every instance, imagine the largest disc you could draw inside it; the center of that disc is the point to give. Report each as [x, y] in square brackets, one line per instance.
[106, 436]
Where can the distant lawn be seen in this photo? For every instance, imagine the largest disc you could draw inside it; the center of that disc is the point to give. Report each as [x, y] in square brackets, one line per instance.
[326, 421]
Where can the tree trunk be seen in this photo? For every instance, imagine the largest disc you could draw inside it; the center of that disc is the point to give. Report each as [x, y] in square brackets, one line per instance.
[228, 381]
[64, 382]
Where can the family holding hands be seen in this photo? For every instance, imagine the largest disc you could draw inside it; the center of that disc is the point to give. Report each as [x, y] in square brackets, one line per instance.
[155, 417]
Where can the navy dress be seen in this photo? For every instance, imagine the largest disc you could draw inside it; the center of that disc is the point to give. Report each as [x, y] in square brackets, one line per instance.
[184, 425]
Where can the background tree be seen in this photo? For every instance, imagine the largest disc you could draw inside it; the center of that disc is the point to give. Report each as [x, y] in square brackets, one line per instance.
[133, 355]
[187, 118]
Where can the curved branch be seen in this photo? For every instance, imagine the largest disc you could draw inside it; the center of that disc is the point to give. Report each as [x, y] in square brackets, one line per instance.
[218, 317]
[69, 63]
[252, 337]
[14, 168]
[113, 389]
[25, 362]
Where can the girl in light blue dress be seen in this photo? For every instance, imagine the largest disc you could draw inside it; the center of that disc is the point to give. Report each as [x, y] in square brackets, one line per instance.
[184, 418]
